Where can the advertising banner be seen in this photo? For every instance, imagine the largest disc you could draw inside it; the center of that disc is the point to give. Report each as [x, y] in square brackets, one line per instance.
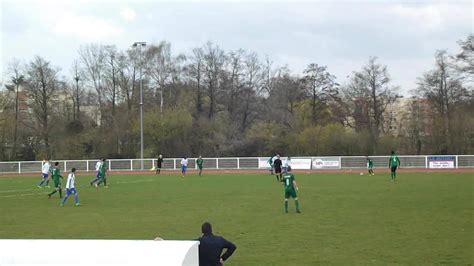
[441, 162]
[326, 163]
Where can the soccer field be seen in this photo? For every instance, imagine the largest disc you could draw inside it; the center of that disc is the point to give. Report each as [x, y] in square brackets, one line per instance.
[423, 218]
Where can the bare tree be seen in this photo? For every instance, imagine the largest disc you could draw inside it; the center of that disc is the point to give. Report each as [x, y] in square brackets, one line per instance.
[42, 83]
[214, 60]
[321, 87]
[443, 88]
[17, 80]
[93, 60]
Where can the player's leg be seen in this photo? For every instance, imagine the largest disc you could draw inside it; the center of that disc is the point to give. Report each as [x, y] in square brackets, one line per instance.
[395, 173]
[43, 180]
[287, 196]
[297, 203]
[47, 182]
[93, 181]
[68, 192]
[105, 182]
[76, 197]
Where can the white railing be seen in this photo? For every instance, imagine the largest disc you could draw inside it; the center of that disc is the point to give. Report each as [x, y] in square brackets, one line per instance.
[229, 163]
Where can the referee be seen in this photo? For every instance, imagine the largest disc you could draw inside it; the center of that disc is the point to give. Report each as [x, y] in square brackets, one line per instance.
[277, 165]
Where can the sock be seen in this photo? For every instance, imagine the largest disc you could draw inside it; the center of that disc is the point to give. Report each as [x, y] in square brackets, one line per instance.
[47, 182]
[394, 175]
[64, 200]
[277, 177]
[297, 204]
[105, 182]
[76, 198]
[52, 193]
[60, 193]
[286, 206]
[41, 183]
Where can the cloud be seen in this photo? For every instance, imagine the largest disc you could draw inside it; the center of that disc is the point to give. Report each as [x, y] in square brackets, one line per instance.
[86, 28]
[128, 14]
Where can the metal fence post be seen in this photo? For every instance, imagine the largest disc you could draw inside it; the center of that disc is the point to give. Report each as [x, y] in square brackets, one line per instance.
[426, 161]
[238, 163]
[131, 164]
[19, 167]
[87, 165]
[217, 163]
[174, 162]
[110, 165]
[456, 161]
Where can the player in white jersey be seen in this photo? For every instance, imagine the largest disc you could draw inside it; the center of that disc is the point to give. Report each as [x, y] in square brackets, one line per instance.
[184, 166]
[71, 188]
[45, 174]
[97, 168]
[286, 164]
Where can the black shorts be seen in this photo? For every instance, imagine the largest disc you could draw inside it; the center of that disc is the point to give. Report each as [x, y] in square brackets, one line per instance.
[277, 170]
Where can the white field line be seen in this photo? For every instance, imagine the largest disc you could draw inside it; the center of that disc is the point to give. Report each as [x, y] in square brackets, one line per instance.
[43, 192]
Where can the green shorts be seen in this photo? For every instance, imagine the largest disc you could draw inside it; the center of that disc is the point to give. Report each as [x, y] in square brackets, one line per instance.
[199, 167]
[290, 193]
[393, 168]
[57, 184]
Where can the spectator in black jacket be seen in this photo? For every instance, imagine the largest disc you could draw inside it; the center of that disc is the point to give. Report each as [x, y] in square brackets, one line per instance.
[211, 247]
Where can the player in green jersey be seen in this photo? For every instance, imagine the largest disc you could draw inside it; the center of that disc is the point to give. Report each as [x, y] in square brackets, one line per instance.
[102, 174]
[270, 162]
[290, 189]
[370, 166]
[199, 163]
[56, 179]
[393, 164]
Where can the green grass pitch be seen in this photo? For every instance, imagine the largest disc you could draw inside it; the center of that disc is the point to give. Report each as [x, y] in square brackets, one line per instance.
[423, 218]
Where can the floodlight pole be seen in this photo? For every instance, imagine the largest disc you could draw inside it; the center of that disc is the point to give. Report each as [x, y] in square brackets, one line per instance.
[140, 45]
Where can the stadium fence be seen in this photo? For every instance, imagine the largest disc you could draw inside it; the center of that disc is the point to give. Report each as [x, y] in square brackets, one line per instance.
[252, 163]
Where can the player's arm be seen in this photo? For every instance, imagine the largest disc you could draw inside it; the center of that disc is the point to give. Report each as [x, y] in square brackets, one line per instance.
[398, 160]
[295, 185]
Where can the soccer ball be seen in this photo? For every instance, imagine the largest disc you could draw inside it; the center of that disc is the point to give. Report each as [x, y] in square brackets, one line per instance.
[361, 173]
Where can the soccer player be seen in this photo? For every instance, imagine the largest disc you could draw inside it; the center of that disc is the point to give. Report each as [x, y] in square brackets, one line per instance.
[102, 175]
[55, 173]
[184, 166]
[199, 163]
[71, 188]
[97, 167]
[286, 164]
[159, 162]
[290, 189]
[277, 165]
[370, 166]
[393, 164]
[270, 162]
[45, 174]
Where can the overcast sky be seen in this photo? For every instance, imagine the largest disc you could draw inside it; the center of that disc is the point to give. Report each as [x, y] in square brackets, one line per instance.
[339, 34]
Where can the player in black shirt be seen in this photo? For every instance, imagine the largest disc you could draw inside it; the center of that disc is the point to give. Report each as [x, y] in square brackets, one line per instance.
[277, 165]
[159, 162]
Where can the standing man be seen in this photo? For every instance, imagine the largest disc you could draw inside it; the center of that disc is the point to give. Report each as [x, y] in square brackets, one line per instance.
[270, 162]
[393, 164]
[55, 173]
[97, 168]
[286, 164]
[45, 174]
[102, 174]
[71, 188]
[290, 189]
[159, 162]
[370, 166]
[199, 163]
[211, 247]
[277, 165]
[184, 166]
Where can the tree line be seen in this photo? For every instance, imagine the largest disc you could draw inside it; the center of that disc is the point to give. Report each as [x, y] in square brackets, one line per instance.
[213, 102]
